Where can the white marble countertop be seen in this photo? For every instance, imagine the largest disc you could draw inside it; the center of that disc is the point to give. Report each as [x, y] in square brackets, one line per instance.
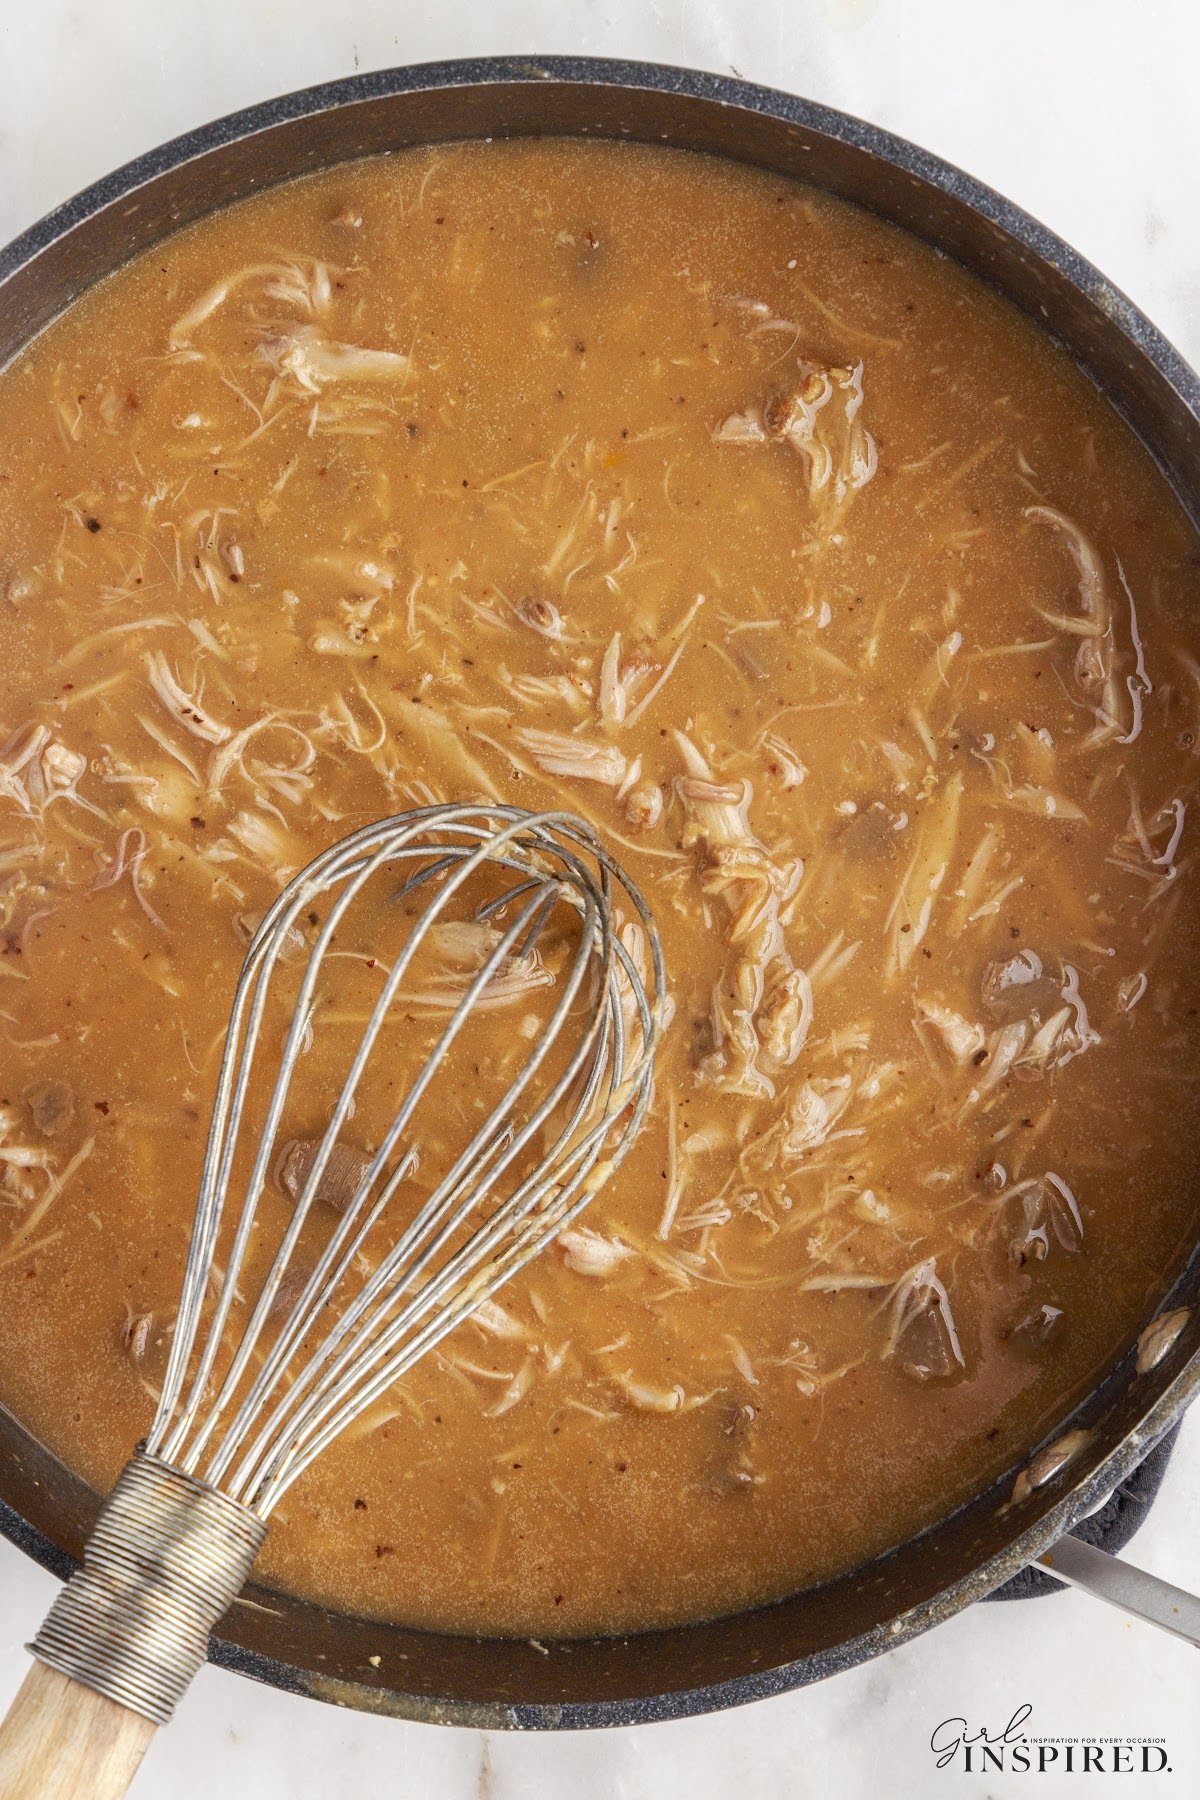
[1083, 111]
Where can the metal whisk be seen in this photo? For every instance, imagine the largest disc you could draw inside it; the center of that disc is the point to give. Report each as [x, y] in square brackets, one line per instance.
[248, 1402]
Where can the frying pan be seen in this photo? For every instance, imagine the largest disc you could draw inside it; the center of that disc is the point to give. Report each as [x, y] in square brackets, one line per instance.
[494, 1683]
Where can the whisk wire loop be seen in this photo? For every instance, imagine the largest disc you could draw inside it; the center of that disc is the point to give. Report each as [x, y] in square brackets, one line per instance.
[254, 1431]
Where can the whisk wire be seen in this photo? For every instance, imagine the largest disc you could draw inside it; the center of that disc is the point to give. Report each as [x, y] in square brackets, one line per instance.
[266, 1380]
[260, 962]
[408, 1302]
[374, 1337]
[340, 862]
[306, 1197]
[471, 1158]
[324, 1414]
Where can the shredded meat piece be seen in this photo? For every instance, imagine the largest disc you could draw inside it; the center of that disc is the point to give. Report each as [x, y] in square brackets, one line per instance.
[339, 1179]
[820, 420]
[560, 754]
[52, 1106]
[1032, 1330]
[1047, 1210]
[762, 1006]
[291, 1286]
[588, 1252]
[961, 1039]
[312, 360]
[135, 1336]
[923, 1337]
[732, 1468]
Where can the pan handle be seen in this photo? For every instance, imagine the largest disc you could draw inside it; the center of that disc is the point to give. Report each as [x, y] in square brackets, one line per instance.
[1106, 1577]
[61, 1741]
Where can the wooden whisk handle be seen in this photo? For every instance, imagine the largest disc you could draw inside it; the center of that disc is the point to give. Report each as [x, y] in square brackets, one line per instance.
[61, 1741]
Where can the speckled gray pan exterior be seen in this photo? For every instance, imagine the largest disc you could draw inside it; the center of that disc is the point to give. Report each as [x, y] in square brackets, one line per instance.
[616, 1681]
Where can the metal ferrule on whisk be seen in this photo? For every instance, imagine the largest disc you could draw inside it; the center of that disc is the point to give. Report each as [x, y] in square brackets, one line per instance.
[167, 1558]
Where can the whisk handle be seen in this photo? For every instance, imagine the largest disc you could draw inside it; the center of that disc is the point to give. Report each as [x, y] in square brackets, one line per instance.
[117, 1650]
[61, 1741]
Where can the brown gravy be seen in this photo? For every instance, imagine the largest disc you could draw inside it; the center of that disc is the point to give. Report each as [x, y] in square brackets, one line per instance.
[731, 517]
